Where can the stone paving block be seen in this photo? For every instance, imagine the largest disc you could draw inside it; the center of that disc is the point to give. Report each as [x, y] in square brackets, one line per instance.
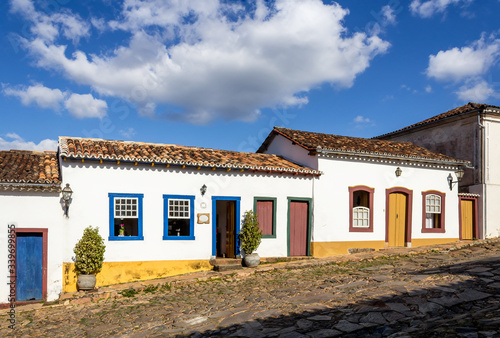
[473, 295]
[373, 317]
[447, 301]
[324, 333]
[399, 307]
[393, 316]
[320, 318]
[237, 318]
[304, 324]
[345, 326]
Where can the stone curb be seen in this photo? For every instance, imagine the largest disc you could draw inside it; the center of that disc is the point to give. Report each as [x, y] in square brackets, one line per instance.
[114, 291]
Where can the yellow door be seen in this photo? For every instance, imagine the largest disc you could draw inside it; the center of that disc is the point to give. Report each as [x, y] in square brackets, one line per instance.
[397, 219]
[467, 207]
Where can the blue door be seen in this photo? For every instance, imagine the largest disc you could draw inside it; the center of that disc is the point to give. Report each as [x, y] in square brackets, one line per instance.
[29, 266]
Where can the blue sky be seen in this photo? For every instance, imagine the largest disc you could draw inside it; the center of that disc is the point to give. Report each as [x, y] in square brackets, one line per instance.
[221, 74]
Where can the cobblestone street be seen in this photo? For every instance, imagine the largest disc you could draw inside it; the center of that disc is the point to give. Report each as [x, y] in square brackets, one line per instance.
[445, 291]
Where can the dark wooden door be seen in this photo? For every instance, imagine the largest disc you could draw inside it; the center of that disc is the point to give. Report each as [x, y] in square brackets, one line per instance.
[29, 266]
[230, 230]
[299, 219]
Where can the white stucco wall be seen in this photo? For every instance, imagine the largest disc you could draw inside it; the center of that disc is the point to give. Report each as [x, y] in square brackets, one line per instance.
[492, 176]
[34, 210]
[331, 199]
[92, 181]
[284, 147]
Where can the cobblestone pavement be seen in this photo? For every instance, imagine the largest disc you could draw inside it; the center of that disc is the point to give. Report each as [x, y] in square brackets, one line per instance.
[445, 292]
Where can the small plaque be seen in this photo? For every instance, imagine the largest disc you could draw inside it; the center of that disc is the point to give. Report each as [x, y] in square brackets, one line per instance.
[203, 218]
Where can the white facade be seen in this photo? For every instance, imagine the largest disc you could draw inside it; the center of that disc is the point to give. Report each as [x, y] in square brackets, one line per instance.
[34, 210]
[331, 231]
[92, 182]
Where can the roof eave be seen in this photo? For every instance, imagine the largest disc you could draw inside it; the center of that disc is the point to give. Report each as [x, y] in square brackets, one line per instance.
[395, 157]
[266, 169]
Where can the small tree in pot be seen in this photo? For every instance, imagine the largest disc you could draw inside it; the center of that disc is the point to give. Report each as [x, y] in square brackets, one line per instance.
[250, 238]
[89, 253]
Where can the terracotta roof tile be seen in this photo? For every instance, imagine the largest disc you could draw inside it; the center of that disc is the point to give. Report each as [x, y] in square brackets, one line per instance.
[87, 148]
[469, 107]
[29, 167]
[358, 146]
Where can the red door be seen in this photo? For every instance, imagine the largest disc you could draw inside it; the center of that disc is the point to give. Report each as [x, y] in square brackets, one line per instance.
[299, 216]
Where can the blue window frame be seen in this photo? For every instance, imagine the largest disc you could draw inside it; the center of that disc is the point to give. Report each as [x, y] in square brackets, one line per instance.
[125, 217]
[178, 217]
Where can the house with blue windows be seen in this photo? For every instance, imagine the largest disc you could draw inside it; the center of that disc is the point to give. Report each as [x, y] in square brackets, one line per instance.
[166, 210]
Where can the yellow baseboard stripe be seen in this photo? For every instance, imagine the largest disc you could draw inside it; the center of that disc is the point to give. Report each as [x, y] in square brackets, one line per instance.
[125, 272]
[326, 249]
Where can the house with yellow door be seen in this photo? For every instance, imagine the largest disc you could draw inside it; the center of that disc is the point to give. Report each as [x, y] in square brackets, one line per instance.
[374, 193]
[470, 132]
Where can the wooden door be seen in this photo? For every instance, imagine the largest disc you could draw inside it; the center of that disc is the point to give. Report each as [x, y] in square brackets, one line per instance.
[29, 266]
[467, 209]
[299, 219]
[397, 219]
[230, 230]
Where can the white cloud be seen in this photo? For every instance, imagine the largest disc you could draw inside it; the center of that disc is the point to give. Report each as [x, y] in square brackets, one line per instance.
[361, 119]
[477, 92]
[82, 106]
[428, 89]
[388, 15]
[14, 141]
[467, 67]
[428, 8]
[38, 94]
[49, 27]
[208, 64]
[459, 63]
[128, 133]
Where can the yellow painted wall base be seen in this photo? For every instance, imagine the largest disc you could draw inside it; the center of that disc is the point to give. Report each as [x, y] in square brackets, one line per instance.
[431, 241]
[124, 272]
[326, 249]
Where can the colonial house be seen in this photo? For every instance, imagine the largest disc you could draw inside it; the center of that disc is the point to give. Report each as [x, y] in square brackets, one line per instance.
[470, 132]
[30, 203]
[373, 193]
[166, 209]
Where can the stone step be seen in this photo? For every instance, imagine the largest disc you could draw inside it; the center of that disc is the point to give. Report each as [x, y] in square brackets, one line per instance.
[228, 267]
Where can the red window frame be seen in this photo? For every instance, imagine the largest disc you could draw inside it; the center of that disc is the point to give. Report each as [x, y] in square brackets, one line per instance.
[441, 228]
[370, 192]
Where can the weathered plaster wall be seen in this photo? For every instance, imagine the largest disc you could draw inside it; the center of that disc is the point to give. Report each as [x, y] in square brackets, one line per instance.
[458, 138]
[34, 210]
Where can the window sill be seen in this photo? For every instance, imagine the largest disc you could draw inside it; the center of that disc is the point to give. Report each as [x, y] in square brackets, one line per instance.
[268, 236]
[178, 238]
[125, 238]
[353, 229]
[433, 231]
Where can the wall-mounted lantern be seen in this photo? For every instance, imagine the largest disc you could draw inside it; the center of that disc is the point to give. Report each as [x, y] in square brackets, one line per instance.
[203, 190]
[66, 195]
[398, 171]
[459, 173]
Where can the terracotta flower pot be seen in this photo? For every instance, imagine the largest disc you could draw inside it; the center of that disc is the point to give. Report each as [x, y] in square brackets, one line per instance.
[86, 282]
[252, 260]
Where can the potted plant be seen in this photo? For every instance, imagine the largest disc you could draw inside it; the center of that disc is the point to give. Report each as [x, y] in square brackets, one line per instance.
[89, 253]
[250, 238]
